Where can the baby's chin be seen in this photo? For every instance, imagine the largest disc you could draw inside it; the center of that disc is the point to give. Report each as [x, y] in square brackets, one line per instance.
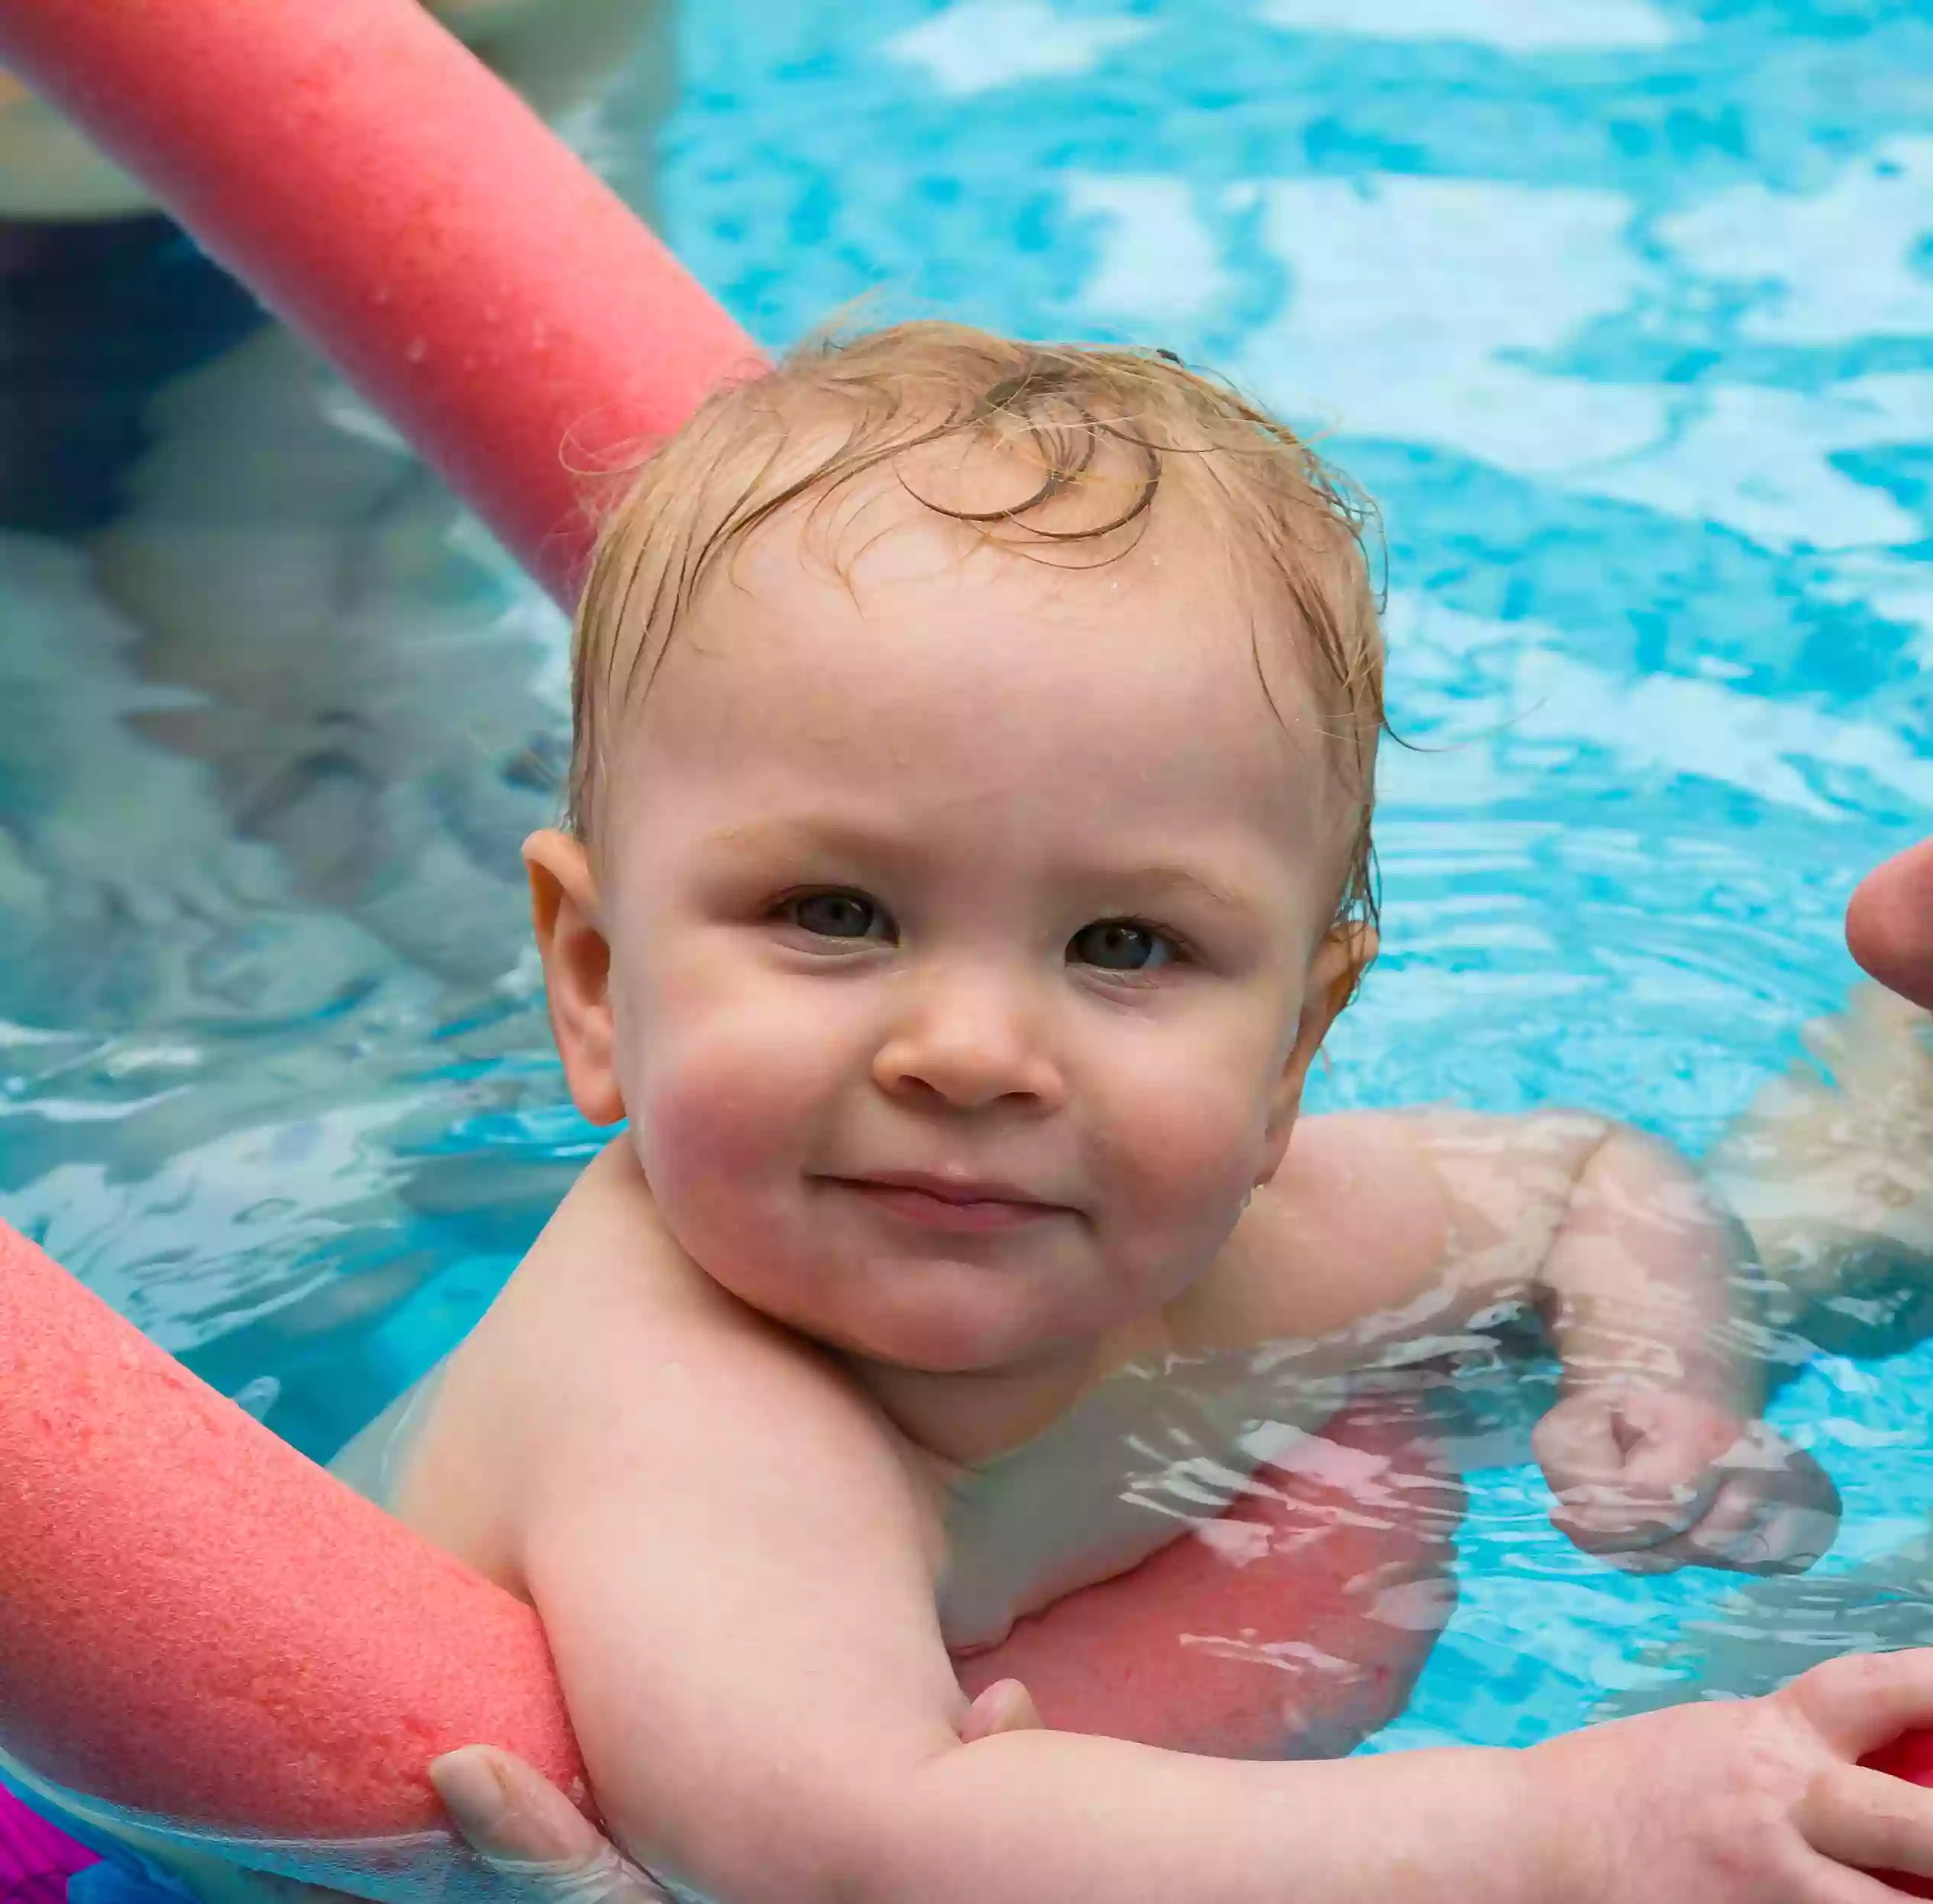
[926, 1311]
[939, 1345]
[969, 1330]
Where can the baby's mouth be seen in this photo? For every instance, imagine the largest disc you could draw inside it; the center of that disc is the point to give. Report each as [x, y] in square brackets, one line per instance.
[946, 1203]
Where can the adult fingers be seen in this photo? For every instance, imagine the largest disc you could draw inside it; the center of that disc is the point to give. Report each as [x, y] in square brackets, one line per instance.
[1889, 924]
[1869, 1820]
[521, 1823]
[1862, 1701]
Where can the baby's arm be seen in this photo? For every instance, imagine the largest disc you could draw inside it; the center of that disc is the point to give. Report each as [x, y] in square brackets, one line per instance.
[1638, 1283]
[1653, 1447]
[1611, 1237]
[736, 1564]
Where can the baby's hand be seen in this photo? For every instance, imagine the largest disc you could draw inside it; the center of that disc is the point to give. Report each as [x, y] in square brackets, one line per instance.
[1661, 1478]
[1743, 1801]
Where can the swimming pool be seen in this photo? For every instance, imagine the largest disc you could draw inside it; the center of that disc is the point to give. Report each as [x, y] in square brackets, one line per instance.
[1623, 311]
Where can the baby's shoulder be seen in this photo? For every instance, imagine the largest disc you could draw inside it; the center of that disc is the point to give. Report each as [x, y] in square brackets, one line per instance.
[600, 1298]
[1352, 1223]
[1371, 1211]
[608, 1353]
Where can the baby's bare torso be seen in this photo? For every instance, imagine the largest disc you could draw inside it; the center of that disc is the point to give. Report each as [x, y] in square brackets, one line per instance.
[1157, 1446]
[1148, 1454]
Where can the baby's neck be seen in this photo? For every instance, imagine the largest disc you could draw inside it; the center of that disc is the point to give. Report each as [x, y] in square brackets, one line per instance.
[970, 1416]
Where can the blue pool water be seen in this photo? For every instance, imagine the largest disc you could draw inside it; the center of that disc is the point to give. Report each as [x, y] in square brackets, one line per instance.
[1622, 310]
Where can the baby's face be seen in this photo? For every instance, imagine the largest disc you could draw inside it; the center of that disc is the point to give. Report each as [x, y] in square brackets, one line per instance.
[969, 938]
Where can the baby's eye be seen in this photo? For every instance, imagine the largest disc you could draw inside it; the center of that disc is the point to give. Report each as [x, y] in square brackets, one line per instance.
[1121, 945]
[836, 915]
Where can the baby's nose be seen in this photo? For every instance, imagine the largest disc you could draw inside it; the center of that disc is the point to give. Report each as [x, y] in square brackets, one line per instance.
[970, 1040]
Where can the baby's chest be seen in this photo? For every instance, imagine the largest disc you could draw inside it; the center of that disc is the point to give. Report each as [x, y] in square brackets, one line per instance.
[1146, 1458]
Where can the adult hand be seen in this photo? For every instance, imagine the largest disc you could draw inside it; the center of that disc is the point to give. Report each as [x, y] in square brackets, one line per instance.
[524, 1827]
[1889, 924]
[515, 1819]
[518, 1823]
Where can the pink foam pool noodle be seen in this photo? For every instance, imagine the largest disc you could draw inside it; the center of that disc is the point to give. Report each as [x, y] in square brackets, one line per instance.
[386, 195]
[196, 1620]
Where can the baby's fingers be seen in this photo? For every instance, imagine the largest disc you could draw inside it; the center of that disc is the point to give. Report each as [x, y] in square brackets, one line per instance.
[1612, 1519]
[1627, 1472]
[1006, 1706]
[522, 1825]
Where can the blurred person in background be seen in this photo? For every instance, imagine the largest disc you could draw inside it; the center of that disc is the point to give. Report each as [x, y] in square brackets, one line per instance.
[262, 657]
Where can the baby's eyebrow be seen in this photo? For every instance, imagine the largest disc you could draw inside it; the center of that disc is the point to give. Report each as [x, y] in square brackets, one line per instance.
[1128, 881]
[1181, 884]
[825, 833]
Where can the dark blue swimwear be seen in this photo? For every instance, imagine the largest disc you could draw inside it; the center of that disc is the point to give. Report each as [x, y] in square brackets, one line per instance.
[94, 318]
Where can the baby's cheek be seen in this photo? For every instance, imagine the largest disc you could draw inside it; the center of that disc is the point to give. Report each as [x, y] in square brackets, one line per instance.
[1183, 1148]
[720, 1069]
[716, 1133]
[723, 1110]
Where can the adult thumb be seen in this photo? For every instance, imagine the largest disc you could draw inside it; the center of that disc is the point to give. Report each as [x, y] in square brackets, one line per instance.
[522, 1826]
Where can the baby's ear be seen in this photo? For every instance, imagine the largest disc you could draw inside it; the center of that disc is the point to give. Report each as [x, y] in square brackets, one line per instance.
[1334, 973]
[565, 912]
[1345, 953]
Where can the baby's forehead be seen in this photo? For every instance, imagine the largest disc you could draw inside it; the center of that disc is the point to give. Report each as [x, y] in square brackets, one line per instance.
[964, 515]
[929, 539]
[938, 668]
[882, 587]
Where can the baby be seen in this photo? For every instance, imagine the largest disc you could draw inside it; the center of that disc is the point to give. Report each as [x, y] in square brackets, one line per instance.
[969, 852]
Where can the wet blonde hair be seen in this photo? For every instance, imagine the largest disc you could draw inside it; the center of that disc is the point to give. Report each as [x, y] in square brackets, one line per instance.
[1074, 417]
